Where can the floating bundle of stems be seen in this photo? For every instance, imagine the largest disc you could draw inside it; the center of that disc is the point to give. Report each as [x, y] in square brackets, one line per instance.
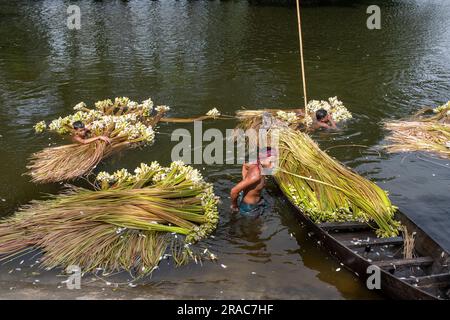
[294, 118]
[211, 114]
[438, 114]
[126, 123]
[428, 130]
[327, 191]
[254, 119]
[128, 222]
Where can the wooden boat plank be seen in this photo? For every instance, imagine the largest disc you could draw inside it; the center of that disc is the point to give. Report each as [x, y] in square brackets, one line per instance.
[373, 242]
[431, 280]
[419, 261]
[344, 226]
[362, 235]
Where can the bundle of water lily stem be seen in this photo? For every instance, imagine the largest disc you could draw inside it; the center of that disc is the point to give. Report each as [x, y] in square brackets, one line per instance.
[126, 123]
[428, 130]
[318, 185]
[127, 222]
[326, 190]
[294, 118]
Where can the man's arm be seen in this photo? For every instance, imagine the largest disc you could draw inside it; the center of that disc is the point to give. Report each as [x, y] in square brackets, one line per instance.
[323, 125]
[244, 170]
[86, 141]
[332, 122]
[241, 186]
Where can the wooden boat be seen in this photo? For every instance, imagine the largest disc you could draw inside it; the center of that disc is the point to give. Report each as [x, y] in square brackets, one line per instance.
[354, 244]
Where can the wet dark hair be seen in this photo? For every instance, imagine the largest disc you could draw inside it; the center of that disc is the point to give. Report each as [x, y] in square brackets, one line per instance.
[78, 125]
[320, 114]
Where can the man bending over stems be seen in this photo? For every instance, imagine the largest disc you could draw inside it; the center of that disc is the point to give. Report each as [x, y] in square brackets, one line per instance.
[246, 195]
[80, 134]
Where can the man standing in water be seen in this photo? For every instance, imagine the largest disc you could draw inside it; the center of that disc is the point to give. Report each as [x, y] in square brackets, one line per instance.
[246, 195]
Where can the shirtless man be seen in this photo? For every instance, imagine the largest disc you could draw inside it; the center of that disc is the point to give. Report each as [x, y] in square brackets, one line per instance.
[324, 120]
[248, 191]
[80, 133]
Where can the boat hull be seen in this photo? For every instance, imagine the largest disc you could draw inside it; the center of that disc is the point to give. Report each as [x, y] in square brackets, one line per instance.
[391, 286]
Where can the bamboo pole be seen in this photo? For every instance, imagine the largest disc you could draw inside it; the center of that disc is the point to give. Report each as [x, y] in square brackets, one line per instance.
[301, 55]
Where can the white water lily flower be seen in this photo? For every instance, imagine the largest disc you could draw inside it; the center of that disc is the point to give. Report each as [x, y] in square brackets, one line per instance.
[146, 111]
[105, 177]
[121, 101]
[80, 106]
[154, 166]
[159, 177]
[123, 175]
[97, 126]
[195, 176]
[132, 105]
[148, 103]
[179, 165]
[213, 113]
[40, 127]
[148, 135]
[142, 170]
[103, 104]
[162, 108]
[442, 108]
[60, 125]
[289, 117]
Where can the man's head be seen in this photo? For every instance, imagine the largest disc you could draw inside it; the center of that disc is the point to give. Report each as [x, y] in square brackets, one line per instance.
[322, 115]
[79, 127]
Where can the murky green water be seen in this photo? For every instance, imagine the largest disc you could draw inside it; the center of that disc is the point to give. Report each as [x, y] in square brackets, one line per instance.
[197, 55]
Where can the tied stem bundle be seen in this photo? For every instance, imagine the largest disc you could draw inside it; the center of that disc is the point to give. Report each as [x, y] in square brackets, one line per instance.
[126, 123]
[327, 191]
[428, 130]
[293, 118]
[127, 223]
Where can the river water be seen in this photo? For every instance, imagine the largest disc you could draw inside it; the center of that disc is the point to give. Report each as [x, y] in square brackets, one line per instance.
[196, 55]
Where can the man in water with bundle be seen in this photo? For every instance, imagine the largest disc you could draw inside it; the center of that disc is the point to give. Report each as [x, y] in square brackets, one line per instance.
[324, 120]
[246, 195]
[80, 133]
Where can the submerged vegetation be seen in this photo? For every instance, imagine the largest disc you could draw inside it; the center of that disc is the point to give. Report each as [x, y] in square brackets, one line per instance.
[127, 223]
[125, 122]
[428, 130]
[327, 191]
